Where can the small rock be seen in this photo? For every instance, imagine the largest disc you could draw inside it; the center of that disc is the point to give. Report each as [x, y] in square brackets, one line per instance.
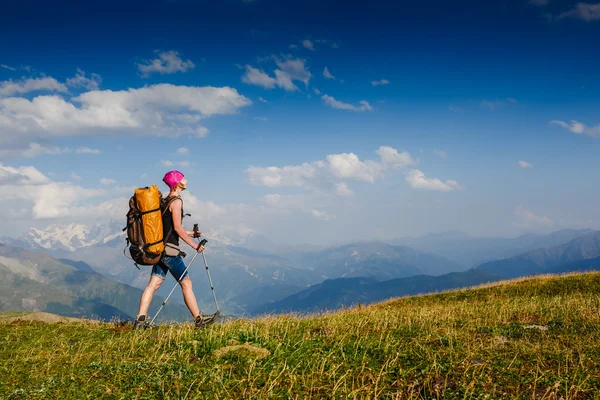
[501, 340]
[540, 327]
[476, 361]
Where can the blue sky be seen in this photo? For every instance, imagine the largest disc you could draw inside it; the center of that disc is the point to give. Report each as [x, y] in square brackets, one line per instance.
[304, 121]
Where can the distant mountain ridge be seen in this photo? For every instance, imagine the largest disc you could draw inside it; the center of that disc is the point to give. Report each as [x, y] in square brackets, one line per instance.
[472, 251]
[32, 280]
[543, 260]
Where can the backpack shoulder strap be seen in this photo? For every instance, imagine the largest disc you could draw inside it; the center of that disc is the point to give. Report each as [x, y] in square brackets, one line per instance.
[168, 201]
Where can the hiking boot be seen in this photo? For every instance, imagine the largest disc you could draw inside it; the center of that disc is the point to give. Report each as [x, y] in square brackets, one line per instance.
[203, 320]
[141, 323]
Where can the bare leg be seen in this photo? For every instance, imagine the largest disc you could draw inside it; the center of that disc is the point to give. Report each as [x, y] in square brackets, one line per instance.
[146, 298]
[189, 297]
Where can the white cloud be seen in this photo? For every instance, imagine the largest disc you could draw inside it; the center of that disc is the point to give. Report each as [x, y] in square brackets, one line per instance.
[36, 149]
[299, 175]
[10, 87]
[440, 153]
[87, 150]
[80, 80]
[417, 180]
[183, 151]
[168, 62]
[159, 110]
[327, 74]
[349, 166]
[330, 171]
[525, 164]
[317, 91]
[341, 189]
[321, 215]
[169, 163]
[289, 70]
[527, 218]
[332, 102]
[579, 128]
[8, 67]
[307, 44]
[75, 176]
[263, 100]
[454, 109]
[293, 46]
[583, 11]
[380, 82]
[107, 181]
[46, 198]
[263, 119]
[391, 157]
[256, 77]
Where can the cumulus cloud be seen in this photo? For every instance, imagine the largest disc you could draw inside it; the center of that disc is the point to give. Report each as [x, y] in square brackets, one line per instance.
[81, 81]
[327, 74]
[321, 215]
[46, 198]
[168, 62]
[10, 87]
[329, 172]
[380, 82]
[87, 150]
[307, 44]
[289, 70]
[332, 102]
[391, 157]
[169, 163]
[341, 189]
[579, 128]
[584, 11]
[159, 110]
[75, 176]
[349, 166]
[525, 164]
[417, 180]
[528, 219]
[107, 181]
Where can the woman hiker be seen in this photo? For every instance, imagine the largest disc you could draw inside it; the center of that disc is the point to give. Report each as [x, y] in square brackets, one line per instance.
[172, 260]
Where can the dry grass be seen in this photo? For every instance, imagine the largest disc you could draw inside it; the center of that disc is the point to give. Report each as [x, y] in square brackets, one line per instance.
[473, 343]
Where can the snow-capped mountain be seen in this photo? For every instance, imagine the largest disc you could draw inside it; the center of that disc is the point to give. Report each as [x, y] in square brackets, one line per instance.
[71, 237]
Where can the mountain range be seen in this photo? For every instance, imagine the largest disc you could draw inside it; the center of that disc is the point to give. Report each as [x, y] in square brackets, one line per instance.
[32, 280]
[253, 274]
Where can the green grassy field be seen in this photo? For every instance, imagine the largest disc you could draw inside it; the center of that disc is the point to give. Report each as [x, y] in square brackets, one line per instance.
[530, 338]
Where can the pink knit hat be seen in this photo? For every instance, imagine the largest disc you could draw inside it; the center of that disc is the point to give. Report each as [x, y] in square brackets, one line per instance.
[172, 178]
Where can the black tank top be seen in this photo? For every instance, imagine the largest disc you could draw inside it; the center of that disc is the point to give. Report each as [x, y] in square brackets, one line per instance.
[167, 219]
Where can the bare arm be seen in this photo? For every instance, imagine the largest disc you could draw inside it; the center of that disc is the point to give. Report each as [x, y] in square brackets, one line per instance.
[177, 227]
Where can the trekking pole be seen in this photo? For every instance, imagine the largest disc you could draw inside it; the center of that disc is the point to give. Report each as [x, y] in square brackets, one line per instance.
[211, 286]
[201, 243]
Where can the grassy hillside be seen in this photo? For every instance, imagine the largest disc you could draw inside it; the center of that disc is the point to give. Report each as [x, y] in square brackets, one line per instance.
[529, 338]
